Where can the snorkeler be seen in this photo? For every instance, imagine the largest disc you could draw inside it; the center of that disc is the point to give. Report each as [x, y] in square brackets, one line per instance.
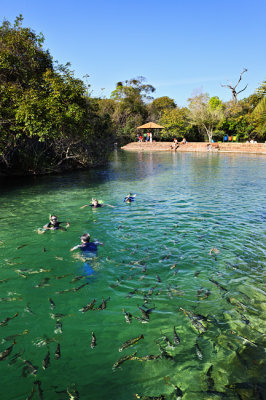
[86, 245]
[88, 251]
[129, 198]
[95, 204]
[54, 224]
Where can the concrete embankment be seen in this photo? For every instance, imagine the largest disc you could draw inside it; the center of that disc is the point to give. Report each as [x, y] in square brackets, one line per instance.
[253, 148]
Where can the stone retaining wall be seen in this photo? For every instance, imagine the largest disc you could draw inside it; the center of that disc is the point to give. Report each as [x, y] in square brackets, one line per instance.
[254, 148]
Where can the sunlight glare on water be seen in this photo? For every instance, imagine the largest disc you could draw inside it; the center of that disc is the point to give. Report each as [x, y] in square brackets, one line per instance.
[188, 253]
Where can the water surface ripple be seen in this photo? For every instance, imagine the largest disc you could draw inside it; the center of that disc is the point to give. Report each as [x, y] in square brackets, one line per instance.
[183, 265]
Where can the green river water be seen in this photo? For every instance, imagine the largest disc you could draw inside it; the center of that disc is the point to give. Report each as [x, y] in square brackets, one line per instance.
[189, 251]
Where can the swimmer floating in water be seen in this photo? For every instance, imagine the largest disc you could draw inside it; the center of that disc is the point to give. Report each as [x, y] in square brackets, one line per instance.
[95, 204]
[53, 225]
[129, 198]
[88, 250]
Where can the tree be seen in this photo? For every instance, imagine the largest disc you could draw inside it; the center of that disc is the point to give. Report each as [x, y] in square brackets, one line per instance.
[233, 88]
[130, 107]
[176, 123]
[159, 106]
[47, 120]
[205, 113]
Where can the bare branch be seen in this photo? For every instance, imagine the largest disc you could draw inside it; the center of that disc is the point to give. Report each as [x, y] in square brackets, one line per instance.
[242, 89]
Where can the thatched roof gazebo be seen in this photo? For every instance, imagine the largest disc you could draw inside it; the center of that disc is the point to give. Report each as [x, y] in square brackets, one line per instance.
[150, 125]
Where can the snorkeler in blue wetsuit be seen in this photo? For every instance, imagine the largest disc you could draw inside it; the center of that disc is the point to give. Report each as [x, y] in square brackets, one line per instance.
[129, 198]
[88, 249]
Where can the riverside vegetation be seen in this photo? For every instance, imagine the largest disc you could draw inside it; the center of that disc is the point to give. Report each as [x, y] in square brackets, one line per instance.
[50, 122]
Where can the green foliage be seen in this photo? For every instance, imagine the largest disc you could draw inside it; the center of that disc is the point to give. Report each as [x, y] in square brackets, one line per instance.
[159, 106]
[176, 123]
[47, 121]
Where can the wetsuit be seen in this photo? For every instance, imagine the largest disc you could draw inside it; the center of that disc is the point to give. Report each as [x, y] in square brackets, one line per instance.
[54, 226]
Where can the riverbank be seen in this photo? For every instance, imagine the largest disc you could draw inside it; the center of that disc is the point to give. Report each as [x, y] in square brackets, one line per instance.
[253, 148]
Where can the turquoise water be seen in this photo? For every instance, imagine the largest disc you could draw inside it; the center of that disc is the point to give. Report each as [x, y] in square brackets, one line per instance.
[190, 249]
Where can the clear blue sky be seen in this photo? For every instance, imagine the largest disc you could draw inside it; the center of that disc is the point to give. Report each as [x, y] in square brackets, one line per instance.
[180, 47]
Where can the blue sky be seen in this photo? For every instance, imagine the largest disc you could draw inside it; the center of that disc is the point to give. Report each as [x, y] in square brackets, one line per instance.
[180, 47]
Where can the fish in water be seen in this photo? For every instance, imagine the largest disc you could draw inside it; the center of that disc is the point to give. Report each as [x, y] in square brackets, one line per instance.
[43, 283]
[123, 359]
[77, 278]
[52, 304]
[103, 305]
[198, 352]
[88, 306]
[12, 337]
[4, 280]
[29, 367]
[128, 316]
[196, 274]
[149, 357]
[40, 391]
[210, 381]
[21, 246]
[158, 278]
[28, 309]
[93, 340]
[5, 321]
[46, 360]
[80, 287]
[197, 321]
[160, 397]
[176, 337]
[73, 394]
[131, 342]
[6, 352]
[165, 354]
[57, 354]
[218, 285]
[166, 340]
[58, 327]
[31, 394]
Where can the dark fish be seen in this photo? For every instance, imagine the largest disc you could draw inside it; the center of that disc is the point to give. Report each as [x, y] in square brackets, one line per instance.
[142, 320]
[57, 354]
[15, 357]
[166, 340]
[46, 360]
[165, 354]
[160, 397]
[40, 391]
[58, 327]
[197, 274]
[149, 357]
[176, 337]
[218, 285]
[158, 278]
[103, 305]
[123, 359]
[44, 249]
[205, 295]
[81, 286]
[130, 294]
[173, 266]
[5, 321]
[93, 340]
[130, 342]
[52, 304]
[88, 306]
[30, 368]
[6, 352]
[31, 394]
[196, 320]
[198, 352]
[4, 280]
[21, 246]
[28, 309]
[128, 316]
[62, 276]
[210, 380]
[12, 337]
[77, 278]
[65, 291]
[43, 283]
[146, 313]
